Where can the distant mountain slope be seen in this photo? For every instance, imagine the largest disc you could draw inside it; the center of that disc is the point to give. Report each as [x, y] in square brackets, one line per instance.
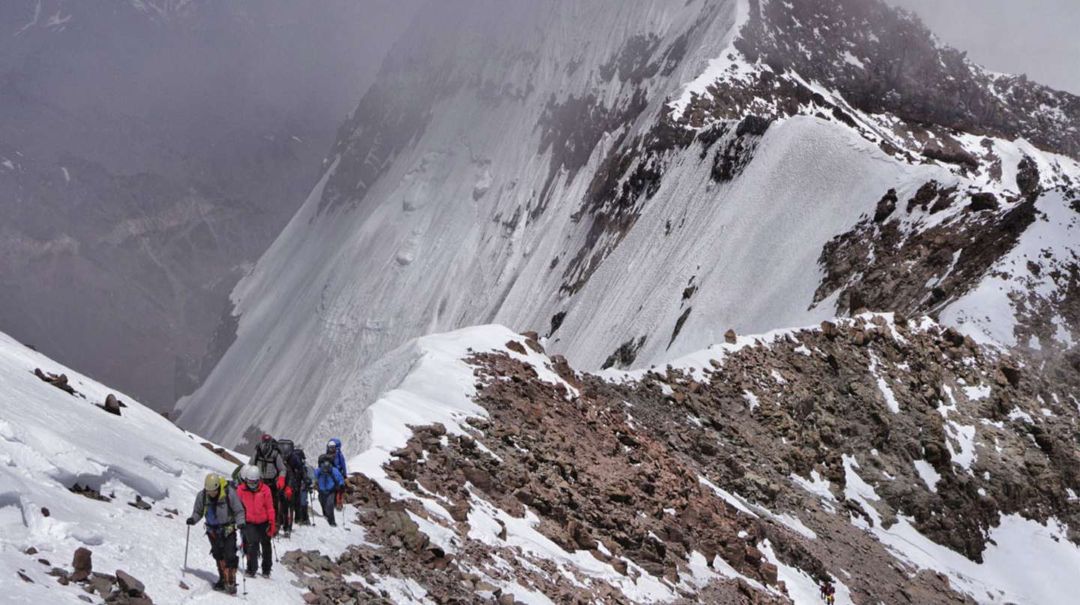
[149, 152]
[634, 180]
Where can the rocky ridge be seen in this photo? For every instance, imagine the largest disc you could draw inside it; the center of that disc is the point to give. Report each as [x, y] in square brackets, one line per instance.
[737, 476]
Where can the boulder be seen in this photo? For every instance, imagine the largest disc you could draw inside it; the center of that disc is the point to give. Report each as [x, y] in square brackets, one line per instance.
[984, 201]
[129, 584]
[83, 564]
[112, 404]
[730, 337]
[1012, 374]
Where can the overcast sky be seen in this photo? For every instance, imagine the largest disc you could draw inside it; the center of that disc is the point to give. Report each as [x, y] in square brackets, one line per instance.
[1038, 37]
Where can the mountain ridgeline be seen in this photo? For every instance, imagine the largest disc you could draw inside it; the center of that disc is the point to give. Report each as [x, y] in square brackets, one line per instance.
[633, 181]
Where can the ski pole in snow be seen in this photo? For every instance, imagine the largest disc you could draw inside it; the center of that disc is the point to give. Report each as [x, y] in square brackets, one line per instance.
[187, 541]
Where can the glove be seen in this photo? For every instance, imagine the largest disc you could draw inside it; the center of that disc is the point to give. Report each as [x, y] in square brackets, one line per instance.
[191, 521]
[281, 483]
[272, 531]
[241, 526]
[288, 493]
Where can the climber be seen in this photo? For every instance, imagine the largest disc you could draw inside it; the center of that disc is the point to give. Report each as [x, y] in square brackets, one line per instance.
[295, 479]
[830, 593]
[333, 448]
[330, 483]
[224, 515]
[261, 520]
[306, 495]
[271, 465]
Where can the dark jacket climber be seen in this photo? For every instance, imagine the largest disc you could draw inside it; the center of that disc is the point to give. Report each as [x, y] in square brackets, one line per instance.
[224, 516]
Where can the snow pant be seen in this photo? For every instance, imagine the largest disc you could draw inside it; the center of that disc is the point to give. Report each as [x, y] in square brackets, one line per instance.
[277, 496]
[292, 514]
[302, 514]
[283, 508]
[256, 539]
[223, 545]
[326, 499]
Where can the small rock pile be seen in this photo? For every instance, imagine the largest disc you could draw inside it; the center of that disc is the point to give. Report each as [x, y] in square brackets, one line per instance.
[119, 589]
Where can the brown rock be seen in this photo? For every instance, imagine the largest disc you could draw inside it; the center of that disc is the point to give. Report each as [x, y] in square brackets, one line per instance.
[102, 584]
[129, 584]
[769, 571]
[1012, 375]
[478, 477]
[83, 564]
[516, 347]
[112, 404]
[828, 329]
[752, 555]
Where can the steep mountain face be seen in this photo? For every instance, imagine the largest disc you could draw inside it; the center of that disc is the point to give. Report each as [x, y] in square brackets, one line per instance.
[635, 180]
[149, 152]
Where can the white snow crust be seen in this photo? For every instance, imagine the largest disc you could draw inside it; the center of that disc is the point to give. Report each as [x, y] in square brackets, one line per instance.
[49, 440]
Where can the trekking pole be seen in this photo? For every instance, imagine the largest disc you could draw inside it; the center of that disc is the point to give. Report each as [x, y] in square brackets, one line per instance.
[243, 575]
[187, 541]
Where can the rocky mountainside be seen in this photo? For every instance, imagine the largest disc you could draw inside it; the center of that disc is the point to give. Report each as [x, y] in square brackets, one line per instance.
[894, 457]
[634, 180]
[149, 152]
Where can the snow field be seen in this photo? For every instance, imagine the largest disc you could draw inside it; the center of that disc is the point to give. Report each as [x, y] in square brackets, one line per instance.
[50, 440]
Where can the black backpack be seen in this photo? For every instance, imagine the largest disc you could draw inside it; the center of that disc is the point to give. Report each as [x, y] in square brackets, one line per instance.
[296, 464]
[286, 447]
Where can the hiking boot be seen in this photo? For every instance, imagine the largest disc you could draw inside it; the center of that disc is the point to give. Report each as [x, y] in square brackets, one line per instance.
[219, 585]
[266, 574]
[250, 573]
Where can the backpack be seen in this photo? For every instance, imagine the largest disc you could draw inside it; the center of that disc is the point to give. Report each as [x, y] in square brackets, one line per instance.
[285, 447]
[296, 465]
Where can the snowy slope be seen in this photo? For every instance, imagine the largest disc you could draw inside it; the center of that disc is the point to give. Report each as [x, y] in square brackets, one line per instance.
[542, 176]
[50, 440]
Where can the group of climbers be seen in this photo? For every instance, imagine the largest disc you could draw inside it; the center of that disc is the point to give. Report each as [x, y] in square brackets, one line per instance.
[270, 492]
